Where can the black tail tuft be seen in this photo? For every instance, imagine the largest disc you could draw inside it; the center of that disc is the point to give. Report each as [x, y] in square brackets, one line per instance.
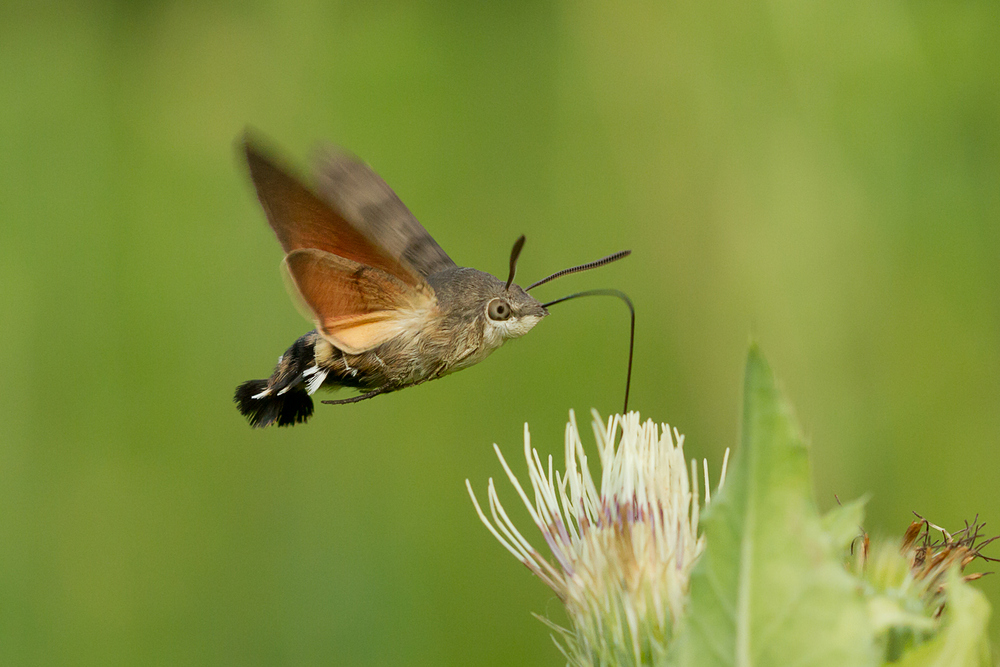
[293, 407]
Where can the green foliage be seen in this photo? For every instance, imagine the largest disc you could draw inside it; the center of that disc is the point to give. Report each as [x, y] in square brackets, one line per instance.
[771, 587]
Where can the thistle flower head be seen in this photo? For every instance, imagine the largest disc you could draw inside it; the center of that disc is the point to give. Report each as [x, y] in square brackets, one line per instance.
[622, 553]
[931, 557]
[906, 582]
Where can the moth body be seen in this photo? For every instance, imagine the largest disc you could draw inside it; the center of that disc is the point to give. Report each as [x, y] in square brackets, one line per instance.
[459, 332]
[391, 308]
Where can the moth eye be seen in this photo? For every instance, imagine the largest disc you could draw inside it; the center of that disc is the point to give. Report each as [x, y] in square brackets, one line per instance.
[498, 310]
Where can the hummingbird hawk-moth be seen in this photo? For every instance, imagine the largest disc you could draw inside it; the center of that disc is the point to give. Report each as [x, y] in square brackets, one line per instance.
[391, 308]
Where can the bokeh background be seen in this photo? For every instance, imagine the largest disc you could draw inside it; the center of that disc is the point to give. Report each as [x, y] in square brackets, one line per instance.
[821, 177]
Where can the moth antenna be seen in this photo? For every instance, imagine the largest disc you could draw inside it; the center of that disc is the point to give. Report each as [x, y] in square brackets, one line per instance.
[576, 269]
[515, 252]
[618, 294]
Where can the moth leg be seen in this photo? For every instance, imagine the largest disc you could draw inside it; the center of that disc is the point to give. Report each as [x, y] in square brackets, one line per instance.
[355, 399]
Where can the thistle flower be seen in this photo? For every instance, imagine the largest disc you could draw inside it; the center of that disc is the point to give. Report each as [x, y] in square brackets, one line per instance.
[622, 554]
[763, 583]
[931, 558]
[906, 583]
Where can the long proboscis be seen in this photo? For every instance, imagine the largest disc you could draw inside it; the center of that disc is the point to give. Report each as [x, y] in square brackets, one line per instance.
[631, 309]
[621, 254]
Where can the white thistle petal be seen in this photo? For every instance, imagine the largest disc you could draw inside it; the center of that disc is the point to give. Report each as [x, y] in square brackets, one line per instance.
[623, 553]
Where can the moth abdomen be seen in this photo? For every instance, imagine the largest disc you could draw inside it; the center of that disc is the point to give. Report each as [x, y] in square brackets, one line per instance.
[284, 398]
[292, 407]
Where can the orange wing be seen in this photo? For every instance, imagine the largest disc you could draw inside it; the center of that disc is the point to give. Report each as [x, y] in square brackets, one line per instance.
[300, 219]
[356, 307]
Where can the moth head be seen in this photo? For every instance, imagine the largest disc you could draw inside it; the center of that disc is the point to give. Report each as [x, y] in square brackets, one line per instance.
[512, 312]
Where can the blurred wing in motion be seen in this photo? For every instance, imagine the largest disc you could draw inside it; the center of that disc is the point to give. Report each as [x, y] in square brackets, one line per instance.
[350, 186]
[301, 220]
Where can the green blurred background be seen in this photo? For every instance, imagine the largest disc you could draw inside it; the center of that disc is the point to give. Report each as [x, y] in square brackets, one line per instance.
[823, 177]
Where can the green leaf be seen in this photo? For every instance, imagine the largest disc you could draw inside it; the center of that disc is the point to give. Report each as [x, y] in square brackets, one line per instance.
[769, 589]
[962, 640]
